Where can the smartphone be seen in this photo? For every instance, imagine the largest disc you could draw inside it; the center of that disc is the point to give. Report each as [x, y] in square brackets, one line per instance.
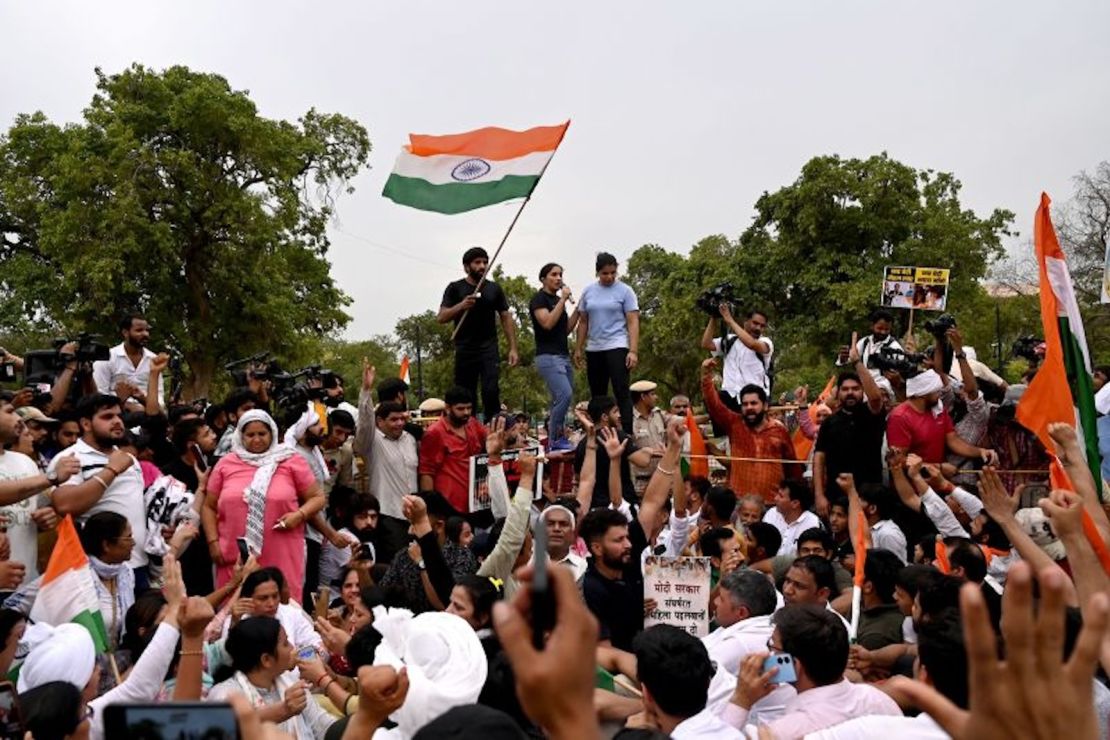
[198, 455]
[11, 723]
[543, 596]
[171, 720]
[244, 551]
[785, 663]
[365, 551]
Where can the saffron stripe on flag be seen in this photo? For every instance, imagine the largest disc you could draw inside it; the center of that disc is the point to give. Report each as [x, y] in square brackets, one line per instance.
[491, 142]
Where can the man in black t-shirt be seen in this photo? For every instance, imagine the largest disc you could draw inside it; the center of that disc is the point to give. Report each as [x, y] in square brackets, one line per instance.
[605, 412]
[613, 586]
[476, 354]
[851, 440]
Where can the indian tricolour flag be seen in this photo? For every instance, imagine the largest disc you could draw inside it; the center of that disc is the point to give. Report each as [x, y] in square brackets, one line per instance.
[461, 172]
[1062, 389]
[67, 592]
[404, 371]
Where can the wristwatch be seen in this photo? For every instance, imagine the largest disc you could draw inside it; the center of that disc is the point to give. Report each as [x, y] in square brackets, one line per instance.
[420, 563]
[960, 355]
[52, 477]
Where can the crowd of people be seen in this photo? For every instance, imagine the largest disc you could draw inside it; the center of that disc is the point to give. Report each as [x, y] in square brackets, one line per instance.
[888, 557]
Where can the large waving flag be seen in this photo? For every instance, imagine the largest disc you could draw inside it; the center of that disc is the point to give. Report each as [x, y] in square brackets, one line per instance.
[461, 172]
[1062, 389]
[67, 592]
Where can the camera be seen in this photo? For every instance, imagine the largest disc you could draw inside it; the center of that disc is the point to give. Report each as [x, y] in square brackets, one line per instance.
[1026, 347]
[710, 301]
[906, 364]
[939, 326]
[42, 366]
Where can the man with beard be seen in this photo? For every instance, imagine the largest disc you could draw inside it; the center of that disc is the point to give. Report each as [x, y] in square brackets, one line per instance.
[360, 522]
[193, 442]
[110, 479]
[476, 354]
[305, 435]
[390, 453]
[746, 351]
[851, 440]
[127, 369]
[751, 435]
[446, 448]
[21, 504]
[613, 585]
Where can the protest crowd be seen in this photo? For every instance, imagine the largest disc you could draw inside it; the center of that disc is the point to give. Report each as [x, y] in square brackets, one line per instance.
[889, 558]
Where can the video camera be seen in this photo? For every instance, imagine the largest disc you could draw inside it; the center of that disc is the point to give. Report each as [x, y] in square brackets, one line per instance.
[939, 326]
[1026, 347]
[906, 364]
[710, 301]
[44, 365]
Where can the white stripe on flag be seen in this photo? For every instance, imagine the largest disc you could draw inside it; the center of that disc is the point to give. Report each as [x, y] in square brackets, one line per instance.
[441, 169]
[1059, 277]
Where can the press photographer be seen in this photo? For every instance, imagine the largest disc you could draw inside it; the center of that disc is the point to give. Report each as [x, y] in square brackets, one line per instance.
[51, 376]
[746, 351]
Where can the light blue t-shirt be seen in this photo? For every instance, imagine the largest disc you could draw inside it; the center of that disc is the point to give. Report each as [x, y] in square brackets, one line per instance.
[605, 308]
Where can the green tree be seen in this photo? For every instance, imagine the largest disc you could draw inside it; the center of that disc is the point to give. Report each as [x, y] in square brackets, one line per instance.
[175, 198]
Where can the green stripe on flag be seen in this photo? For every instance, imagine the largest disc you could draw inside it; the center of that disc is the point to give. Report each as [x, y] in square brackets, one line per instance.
[456, 197]
[94, 623]
[603, 679]
[1083, 397]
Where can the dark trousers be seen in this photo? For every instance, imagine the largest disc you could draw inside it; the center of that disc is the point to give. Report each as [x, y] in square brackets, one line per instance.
[605, 368]
[311, 575]
[472, 363]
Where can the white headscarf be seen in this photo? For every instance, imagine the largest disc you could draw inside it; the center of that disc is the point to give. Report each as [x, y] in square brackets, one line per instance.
[266, 463]
[444, 659]
[308, 419]
[923, 384]
[62, 653]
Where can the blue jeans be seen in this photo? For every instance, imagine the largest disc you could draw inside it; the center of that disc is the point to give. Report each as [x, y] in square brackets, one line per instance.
[559, 376]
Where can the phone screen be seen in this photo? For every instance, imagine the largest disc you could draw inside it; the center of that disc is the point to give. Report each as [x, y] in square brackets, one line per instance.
[172, 720]
[202, 461]
[244, 551]
[543, 597]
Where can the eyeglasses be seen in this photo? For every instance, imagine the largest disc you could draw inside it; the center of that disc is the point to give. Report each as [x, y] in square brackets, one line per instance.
[771, 645]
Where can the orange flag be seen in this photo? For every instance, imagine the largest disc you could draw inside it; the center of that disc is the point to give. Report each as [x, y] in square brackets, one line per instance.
[860, 546]
[699, 463]
[941, 559]
[802, 443]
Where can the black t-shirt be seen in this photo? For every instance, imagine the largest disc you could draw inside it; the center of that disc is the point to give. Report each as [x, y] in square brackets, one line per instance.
[480, 327]
[619, 605]
[600, 498]
[852, 443]
[549, 341]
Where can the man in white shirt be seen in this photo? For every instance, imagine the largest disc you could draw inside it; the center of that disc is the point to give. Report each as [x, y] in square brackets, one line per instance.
[391, 456]
[817, 644]
[110, 479]
[674, 671]
[21, 504]
[791, 515]
[559, 522]
[747, 354]
[128, 363]
[878, 502]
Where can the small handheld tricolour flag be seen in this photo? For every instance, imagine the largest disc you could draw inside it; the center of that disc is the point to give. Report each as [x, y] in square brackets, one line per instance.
[860, 547]
[68, 592]
[403, 373]
[461, 172]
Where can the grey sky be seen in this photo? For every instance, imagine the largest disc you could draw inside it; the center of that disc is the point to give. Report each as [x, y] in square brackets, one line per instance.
[683, 113]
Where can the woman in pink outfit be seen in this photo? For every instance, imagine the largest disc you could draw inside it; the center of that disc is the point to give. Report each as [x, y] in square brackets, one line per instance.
[263, 491]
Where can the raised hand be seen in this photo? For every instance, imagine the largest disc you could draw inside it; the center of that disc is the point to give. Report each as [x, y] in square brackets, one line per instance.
[495, 438]
[368, 373]
[999, 504]
[526, 464]
[66, 466]
[611, 441]
[708, 366]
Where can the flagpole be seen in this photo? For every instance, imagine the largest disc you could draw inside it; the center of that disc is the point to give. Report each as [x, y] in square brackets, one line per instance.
[497, 252]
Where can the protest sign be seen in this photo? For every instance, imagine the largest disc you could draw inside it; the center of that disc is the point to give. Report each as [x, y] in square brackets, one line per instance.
[924, 288]
[680, 588]
[479, 482]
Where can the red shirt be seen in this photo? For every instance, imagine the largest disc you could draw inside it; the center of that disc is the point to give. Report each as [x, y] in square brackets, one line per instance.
[445, 456]
[919, 432]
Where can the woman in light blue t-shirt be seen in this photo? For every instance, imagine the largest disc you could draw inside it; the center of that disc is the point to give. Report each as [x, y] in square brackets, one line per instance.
[609, 331]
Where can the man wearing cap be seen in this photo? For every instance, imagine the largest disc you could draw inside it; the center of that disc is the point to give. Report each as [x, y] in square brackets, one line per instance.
[475, 314]
[40, 426]
[649, 429]
[920, 425]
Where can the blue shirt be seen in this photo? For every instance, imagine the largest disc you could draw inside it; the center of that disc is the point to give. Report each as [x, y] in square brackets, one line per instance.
[605, 308]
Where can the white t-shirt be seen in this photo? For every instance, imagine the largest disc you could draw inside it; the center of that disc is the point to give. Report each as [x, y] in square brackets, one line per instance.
[23, 533]
[744, 366]
[792, 531]
[124, 496]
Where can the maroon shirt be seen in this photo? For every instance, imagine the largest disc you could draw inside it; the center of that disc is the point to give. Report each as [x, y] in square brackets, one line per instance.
[445, 456]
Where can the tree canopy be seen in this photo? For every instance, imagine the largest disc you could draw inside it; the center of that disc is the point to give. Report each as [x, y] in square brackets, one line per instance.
[174, 197]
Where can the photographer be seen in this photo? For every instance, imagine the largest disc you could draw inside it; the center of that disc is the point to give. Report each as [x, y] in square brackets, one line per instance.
[127, 369]
[880, 339]
[746, 351]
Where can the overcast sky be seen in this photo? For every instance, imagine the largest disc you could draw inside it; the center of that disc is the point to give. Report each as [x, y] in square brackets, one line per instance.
[683, 113]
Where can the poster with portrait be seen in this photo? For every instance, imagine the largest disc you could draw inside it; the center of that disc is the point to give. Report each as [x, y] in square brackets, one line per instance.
[479, 476]
[680, 589]
[920, 288]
